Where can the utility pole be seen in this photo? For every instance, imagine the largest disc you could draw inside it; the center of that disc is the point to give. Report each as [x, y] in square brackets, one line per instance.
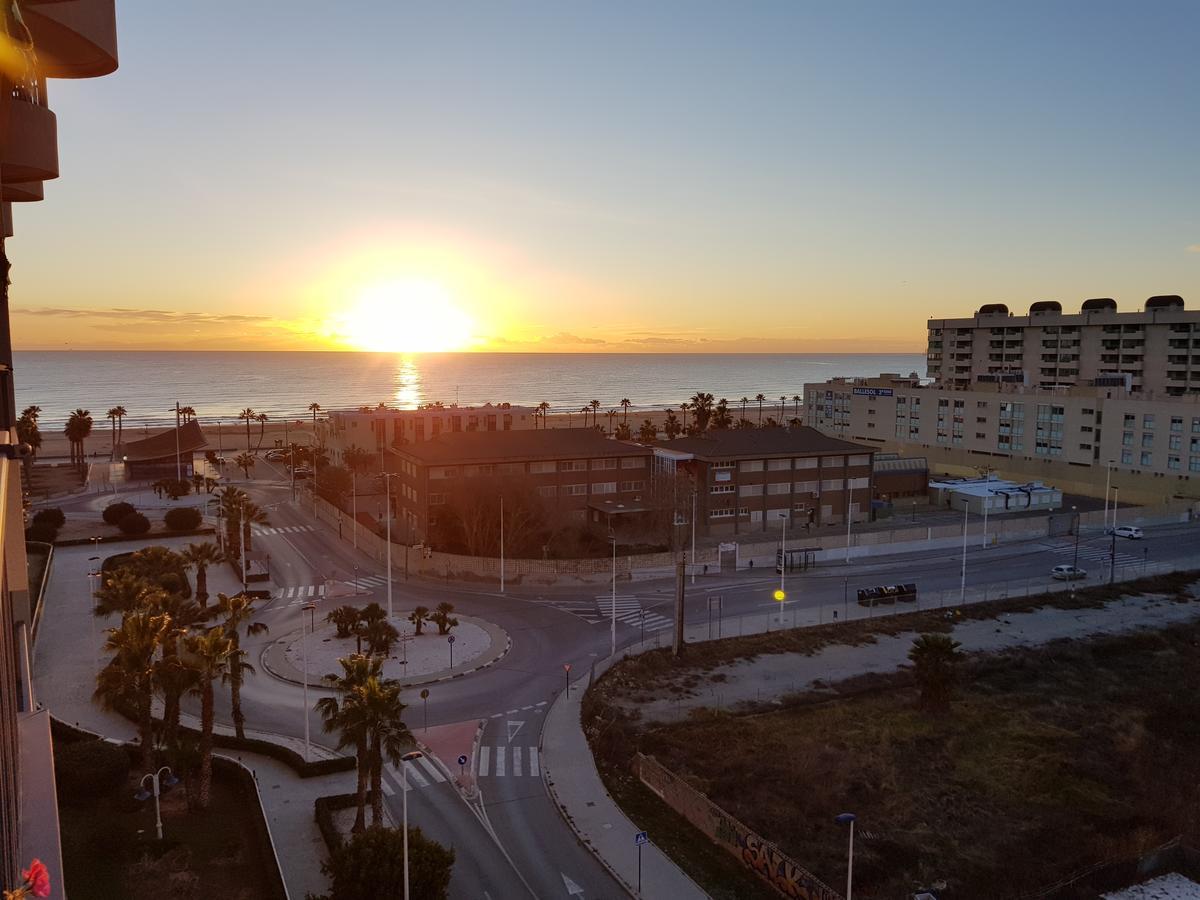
[677, 645]
[178, 461]
[502, 543]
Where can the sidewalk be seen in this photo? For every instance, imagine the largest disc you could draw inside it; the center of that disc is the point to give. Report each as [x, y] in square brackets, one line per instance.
[575, 786]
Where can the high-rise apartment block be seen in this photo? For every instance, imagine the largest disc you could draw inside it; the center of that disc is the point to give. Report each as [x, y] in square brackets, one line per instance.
[1154, 350]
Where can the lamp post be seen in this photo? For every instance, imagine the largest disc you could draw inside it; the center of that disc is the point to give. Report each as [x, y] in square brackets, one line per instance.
[94, 577]
[849, 506]
[987, 502]
[962, 589]
[244, 529]
[387, 482]
[157, 782]
[848, 819]
[1075, 561]
[307, 608]
[1112, 553]
[693, 536]
[502, 543]
[354, 503]
[407, 757]
[613, 609]
[1107, 481]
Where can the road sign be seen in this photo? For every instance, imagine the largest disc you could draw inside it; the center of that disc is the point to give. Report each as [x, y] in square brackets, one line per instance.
[642, 837]
[424, 693]
[450, 640]
[462, 760]
[566, 667]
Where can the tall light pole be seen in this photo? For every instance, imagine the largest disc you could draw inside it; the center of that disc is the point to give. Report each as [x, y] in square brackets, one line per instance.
[387, 482]
[94, 576]
[502, 543]
[848, 819]
[307, 608]
[244, 530]
[407, 757]
[178, 461]
[693, 535]
[849, 506]
[962, 590]
[782, 550]
[156, 781]
[1107, 481]
[1075, 562]
[613, 611]
[987, 502]
[354, 503]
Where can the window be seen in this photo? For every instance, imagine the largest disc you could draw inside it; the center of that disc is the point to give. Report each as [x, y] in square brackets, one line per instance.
[860, 459]
[570, 465]
[1194, 464]
[575, 490]
[750, 490]
[633, 462]
[1147, 459]
[832, 484]
[1127, 439]
[807, 487]
[722, 513]
[543, 467]
[721, 489]
[750, 465]
[507, 422]
[1147, 440]
[602, 464]
[519, 468]
[1127, 457]
[1195, 426]
[1175, 442]
[860, 484]
[1176, 423]
[547, 490]
[782, 487]
[1130, 420]
[1148, 422]
[491, 423]
[632, 485]
[1173, 462]
[805, 462]
[1087, 412]
[604, 487]
[728, 463]
[832, 462]
[437, 499]
[778, 465]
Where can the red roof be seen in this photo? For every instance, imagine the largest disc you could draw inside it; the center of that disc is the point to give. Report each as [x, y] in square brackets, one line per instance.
[162, 445]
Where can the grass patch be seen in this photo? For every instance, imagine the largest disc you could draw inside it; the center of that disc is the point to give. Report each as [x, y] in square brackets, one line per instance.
[1048, 760]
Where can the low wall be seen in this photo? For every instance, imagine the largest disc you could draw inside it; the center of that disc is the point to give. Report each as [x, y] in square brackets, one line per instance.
[755, 852]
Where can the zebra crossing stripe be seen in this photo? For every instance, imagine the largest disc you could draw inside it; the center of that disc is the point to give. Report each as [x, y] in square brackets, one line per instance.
[485, 756]
[533, 762]
[516, 760]
[387, 788]
[434, 772]
[414, 776]
[500, 757]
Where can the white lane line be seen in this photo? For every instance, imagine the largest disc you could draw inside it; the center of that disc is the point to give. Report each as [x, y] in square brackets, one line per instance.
[485, 757]
[542, 703]
[500, 762]
[509, 712]
[434, 772]
[533, 762]
[414, 776]
[396, 774]
[516, 760]
[523, 708]
[388, 789]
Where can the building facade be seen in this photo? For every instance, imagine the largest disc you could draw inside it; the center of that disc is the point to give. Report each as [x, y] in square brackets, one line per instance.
[749, 481]
[47, 40]
[572, 470]
[1152, 350]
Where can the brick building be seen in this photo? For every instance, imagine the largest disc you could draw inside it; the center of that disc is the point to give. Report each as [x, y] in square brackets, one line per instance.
[573, 470]
[750, 480]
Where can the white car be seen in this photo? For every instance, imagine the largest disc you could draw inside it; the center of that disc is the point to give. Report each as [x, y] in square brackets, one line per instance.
[1068, 573]
[1129, 531]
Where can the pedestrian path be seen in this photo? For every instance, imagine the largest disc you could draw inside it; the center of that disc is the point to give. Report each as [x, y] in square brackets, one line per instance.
[299, 593]
[418, 773]
[1097, 554]
[369, 581]
[505, 760]
[630, 612]
[263, 531]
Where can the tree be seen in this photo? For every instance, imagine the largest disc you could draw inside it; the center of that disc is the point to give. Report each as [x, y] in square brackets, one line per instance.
[124, 591]
[380, 636]
[782, 406]
[761, 398]
[441, 617]
[262, 429]
[233, 615]
[683, 408]
[314, 408]
[183, 614]
[625, 404]
[623, 433]
[210, 655]
[796, 398]
[347, 718]
[744, 423]
[188, 413]
[245, 462]
[745, 400]
[200, 557]
[248, 415]
[112, 416]
[418, 617]
[120, 413]
[356, 458]
[542, 409]
[671, 426]
[344, 618]
[389, 736]
[935, 659]
[334, 483]
[721, 419]
[595, 408]
[702, 408]
[370, 866]
[647, 433]
[128, 678]
[611, 414]
[77, 429]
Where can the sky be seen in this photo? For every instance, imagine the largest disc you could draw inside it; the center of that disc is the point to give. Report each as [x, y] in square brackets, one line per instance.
[667, 176]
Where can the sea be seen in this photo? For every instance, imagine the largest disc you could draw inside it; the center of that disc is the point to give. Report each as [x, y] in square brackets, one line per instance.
[218, 385]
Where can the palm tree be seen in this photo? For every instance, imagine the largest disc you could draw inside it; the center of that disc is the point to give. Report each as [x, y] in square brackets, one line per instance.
[233, 613]
[128, 678]
[443, 617]
[188, 413]
[418, 617]
[348, 720]
[721, 419]
[78, 427]
[543, 408]
[125, 592]
[611, 414]
[647, 432]
[595, 407]
[683, 408]
[702, 404]
[32, 412]
[249, 415]
[624, 433]
[252, 514]
[585, 411]
[625, 404]
[261, 418]
[183, 615]
[782, 406]
[389, 736]
[671, 426]
[200, 557]
[761, 399]
[935, 659]
[210, 655]
[112, 416]
[796, 398]
[245, 462]
[120, 413]
[344, 618]
[745, 400]
[314, 408]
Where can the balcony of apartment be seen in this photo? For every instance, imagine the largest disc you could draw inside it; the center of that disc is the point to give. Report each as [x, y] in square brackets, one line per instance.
[1177, 360]
[30, 142]
[23, 192]
[73, 38]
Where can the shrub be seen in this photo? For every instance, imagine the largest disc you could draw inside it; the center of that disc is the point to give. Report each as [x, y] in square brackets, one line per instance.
[177, 488]
[370, 866]
[186, 518]
[115, 512]
[134, 523]
[88, 770]
[54, 517]
[41, 532]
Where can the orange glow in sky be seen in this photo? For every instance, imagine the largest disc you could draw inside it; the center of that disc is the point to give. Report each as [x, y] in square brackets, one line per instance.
[408, 316]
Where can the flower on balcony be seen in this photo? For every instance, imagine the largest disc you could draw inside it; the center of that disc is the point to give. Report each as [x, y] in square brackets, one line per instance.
[37, 883]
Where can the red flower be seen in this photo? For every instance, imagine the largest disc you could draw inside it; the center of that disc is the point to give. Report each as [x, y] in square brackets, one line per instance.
[37, 878]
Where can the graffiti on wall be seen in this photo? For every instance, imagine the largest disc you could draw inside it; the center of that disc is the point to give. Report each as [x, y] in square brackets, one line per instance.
[756, 853]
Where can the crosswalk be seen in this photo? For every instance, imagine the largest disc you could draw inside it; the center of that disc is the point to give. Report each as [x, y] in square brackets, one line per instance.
[508, 762]
[264, 531]
[369, 581]
[630, 612]
[300, 592]
[1096, 554]
[420, 773]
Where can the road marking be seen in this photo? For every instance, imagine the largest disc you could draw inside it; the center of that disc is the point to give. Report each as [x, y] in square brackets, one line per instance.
[434, 772]
[500, 757]
[514, 727]
[572, 888]
[542, 703]
[485, 756]
[533, 762]
[516, 760]
[388, 789]
[414, 776]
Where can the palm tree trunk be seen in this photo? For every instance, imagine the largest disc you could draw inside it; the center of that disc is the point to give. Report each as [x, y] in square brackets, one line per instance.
[120, 427]
[360, 815]
[202, 585]
[206, 743]
[112, 451]
[235, 692]
[146, 730]
[376, 782]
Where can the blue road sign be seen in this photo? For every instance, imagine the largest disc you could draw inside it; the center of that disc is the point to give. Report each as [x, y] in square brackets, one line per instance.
[642, 837]
[462, 760]
[450, 640]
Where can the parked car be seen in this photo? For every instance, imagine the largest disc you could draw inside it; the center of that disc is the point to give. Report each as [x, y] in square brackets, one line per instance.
[276, 455]
[1129, 531]
[302, 472]
[1068, 573]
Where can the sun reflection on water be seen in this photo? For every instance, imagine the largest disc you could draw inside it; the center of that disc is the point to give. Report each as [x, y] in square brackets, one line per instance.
[408, 383]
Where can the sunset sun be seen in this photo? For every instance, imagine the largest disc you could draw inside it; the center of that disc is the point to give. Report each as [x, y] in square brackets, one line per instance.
[404, 317]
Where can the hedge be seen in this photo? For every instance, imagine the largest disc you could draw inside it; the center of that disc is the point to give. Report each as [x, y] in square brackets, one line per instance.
[55, 517]
[115, 512]
[249, 787]
[41, 533]
[134, 523]
[323, 810]
[88, 770]
[185, 518]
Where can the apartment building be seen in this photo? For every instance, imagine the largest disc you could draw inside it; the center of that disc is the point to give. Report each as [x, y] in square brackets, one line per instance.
[375, 428]
[1152, 350]
[75, 39]
[574, 469]
[1085, 430]
[753, 480]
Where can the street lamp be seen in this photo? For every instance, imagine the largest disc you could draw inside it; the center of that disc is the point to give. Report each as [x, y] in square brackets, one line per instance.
[387, 482]
[94, 577]
[848, 819]
[962, 590]
[157, 782]
[310, 609]
[613, 609]
[1107, 481]
[849, 507]
[987, 502]
[407, 757]
[1075, 526]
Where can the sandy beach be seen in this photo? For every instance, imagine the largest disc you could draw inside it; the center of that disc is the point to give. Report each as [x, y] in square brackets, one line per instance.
[229, 438]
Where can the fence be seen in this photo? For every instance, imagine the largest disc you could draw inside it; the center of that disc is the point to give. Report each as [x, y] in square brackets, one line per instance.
[754, 852]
